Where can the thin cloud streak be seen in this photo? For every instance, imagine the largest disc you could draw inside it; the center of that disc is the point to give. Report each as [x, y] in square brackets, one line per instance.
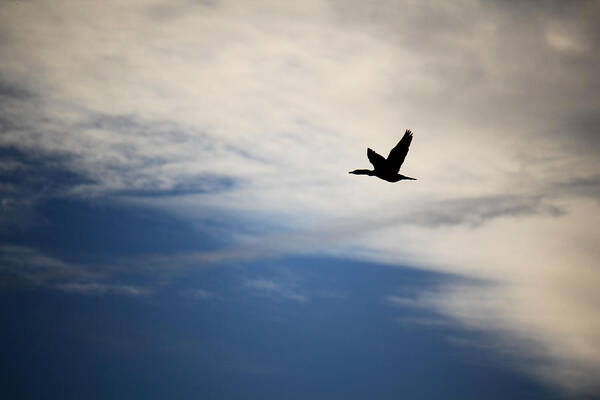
[273, 288]
[103, 289]
[26, 266]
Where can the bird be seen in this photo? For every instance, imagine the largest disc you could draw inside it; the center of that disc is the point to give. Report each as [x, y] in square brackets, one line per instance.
[387, 168]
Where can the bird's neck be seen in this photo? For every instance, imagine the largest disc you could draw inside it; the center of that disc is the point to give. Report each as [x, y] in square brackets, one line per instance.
[363, 172]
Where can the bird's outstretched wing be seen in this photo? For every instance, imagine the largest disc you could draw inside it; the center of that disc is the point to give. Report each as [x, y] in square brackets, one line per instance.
[398, 153]
[376, 159]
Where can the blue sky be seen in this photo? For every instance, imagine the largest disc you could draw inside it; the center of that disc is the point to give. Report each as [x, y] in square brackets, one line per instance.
[177, 219]
[284, 327]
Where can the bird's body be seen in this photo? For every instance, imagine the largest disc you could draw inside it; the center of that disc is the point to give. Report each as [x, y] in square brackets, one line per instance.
[387, 168]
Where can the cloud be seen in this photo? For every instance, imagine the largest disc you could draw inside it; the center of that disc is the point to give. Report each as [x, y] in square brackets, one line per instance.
[26, 266]
[403, 301]
[585, 186]
[259, 110]
[277, 289]
[514, 315]
[103, 288]
[427, 322]
[199, 294]
[478, 210]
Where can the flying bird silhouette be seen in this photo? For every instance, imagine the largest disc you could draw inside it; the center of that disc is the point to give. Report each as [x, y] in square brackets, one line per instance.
[387, 169]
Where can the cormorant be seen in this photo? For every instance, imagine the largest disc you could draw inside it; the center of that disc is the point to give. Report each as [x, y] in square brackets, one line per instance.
[387, 169]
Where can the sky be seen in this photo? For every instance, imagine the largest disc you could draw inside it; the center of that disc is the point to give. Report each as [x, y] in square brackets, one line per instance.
[177, 218]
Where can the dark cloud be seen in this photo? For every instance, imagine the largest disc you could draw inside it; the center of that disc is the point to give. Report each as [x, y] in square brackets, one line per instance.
[126, 161]
[585, 123]
[16, 103]
[478, 210]
[38, 174]
[27, 178]
[583, 186]
[9, 90]
[24, 265]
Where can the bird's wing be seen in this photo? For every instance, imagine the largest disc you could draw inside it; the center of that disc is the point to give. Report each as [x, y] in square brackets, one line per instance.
[398, 153]
[376, 159]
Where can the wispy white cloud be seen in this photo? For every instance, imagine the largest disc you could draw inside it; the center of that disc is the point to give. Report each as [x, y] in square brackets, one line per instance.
[27, 266]
[273, 288]
[95, 288]
[430, 322]
[198, 294]
[31, 266]
[403, 301]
